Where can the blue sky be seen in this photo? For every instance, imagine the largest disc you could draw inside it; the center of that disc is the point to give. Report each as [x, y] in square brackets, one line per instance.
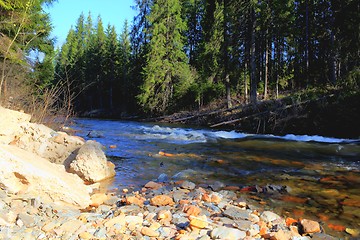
[64, 14]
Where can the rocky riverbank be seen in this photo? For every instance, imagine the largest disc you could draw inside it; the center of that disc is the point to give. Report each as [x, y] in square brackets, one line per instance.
[175, 210]
[49, 189]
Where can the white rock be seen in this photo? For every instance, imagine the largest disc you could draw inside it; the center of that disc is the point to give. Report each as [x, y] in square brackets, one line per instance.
[268, 216]
[91, 163]
[25, 172]
[227, 233]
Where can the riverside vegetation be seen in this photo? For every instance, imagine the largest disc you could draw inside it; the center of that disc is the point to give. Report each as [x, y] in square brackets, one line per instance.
[50, 190]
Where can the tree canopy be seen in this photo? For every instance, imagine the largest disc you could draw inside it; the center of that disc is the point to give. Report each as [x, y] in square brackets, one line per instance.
[178, 55]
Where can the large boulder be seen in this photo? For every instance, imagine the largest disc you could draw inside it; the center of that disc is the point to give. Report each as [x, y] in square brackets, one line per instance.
[10, 124]
[57, 147]
[22, 172]
[91, 163]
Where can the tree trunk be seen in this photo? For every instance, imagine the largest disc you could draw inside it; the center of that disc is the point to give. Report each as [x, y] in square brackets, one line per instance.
[253, 82]
[307, 62]
[228, 91]
[266, 77]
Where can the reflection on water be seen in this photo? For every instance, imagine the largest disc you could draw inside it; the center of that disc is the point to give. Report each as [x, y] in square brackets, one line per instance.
[321, 175]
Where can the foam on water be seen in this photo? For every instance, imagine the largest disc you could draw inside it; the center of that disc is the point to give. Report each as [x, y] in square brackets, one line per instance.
[188, 135]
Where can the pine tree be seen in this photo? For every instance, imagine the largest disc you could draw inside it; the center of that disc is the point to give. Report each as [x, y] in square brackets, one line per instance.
[167, 73]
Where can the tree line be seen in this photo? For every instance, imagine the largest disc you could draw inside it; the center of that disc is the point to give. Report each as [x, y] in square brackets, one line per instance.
[184, 54]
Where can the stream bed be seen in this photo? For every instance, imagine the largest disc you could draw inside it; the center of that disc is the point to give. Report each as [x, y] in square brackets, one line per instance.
[296, 176]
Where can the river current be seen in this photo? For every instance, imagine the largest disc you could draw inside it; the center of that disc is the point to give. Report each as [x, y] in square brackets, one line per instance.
[298, 176]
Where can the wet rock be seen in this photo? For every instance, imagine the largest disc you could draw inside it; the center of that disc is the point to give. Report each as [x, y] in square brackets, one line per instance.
[185, 174]
[323, 236]
[153, 185]
[161, 200]
[236, 213]
[95, 134]
[353, 232]
[91, 163]
[188, 185]
[227, 233]
[309, 226]
[163, 178]
[217, 186]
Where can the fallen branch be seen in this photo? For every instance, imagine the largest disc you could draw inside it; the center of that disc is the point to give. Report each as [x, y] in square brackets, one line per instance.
[268, 111]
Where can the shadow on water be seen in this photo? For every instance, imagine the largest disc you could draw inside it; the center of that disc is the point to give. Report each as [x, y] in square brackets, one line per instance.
[297, 176]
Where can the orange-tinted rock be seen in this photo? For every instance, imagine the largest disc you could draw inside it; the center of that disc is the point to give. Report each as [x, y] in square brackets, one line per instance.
[161, 153]
[248, 189]
[135, 200]
[97, 199]
[215, 198]
[351, 202]
[232, 188]
[164, 216]
[294, 199]
[280, 235]
[153, 185]
[323, 217]
[310, 226]
[220, 161]
[290, 221]
[298, 212]
[184, 201]
[206, 198]
[192, 210]
[198, 222]
[335, 227]
[149, 232]
[161, 200]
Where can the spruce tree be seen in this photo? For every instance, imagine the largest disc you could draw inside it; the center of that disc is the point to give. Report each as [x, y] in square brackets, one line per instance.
[167, 73]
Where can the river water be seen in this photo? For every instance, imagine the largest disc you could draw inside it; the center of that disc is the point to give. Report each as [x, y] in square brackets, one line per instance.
[298, 176]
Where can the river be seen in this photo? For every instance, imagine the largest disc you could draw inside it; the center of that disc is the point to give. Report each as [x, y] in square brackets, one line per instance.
[297, 176]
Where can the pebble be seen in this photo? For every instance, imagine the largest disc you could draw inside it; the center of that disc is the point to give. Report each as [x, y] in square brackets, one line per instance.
[198, 222]
[268, 216]
[172, 211]
[149, 232]
[310, 226]
[161, 200]
[227, 233]
[188, 185]
[237, 213]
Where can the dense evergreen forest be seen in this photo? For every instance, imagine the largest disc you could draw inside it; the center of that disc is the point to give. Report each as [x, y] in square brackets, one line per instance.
[180, 55]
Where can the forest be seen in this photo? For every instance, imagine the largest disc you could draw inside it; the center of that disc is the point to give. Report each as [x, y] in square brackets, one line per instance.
[178, 55]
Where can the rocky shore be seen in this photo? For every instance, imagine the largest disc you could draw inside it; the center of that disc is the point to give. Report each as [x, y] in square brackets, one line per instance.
[49, 189]
[176, 210]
